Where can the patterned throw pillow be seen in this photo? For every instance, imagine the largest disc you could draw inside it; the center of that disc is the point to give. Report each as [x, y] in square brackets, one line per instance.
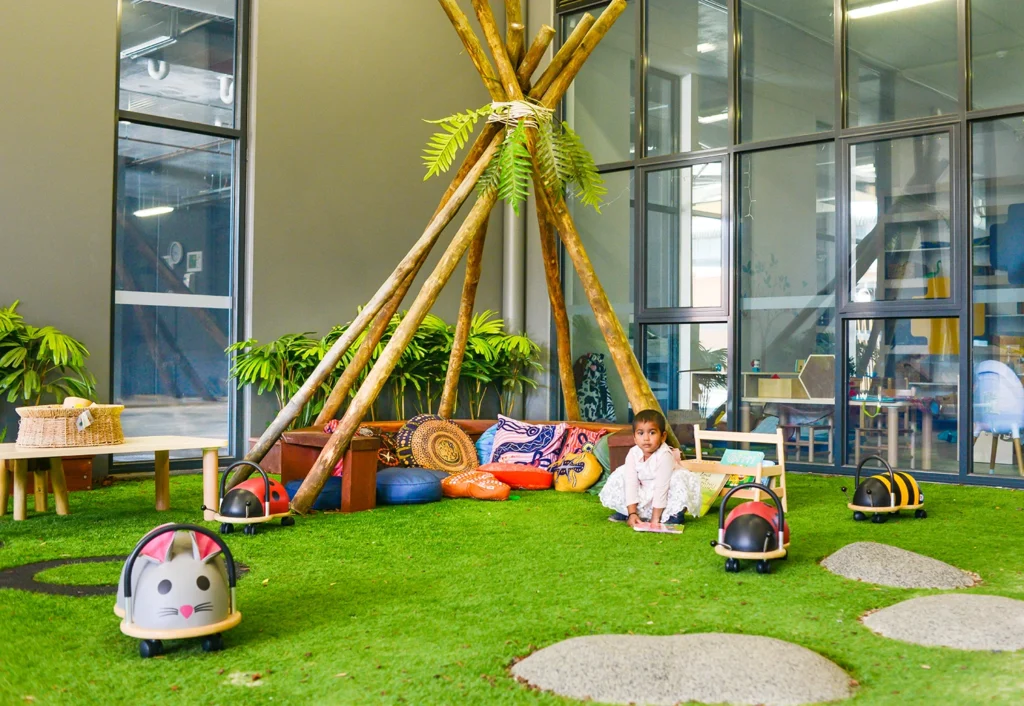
[574, 473]
[529, 444]
[579, 440]
[485, 444]
[603, 455]
[403, 439]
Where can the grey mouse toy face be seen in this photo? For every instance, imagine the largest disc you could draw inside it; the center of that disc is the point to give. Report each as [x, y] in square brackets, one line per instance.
[179, 583]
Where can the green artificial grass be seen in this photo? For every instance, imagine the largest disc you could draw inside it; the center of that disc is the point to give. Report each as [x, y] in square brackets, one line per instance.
[431, 604]
[98, 574]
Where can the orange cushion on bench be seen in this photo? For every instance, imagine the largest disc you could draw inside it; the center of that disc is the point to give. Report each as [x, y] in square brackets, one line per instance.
[519, 476]
[474, 484]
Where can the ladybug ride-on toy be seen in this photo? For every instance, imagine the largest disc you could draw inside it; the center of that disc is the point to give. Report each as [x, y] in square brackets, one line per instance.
[178, 583]
[251, 502]
[753, 530]
[885, 493]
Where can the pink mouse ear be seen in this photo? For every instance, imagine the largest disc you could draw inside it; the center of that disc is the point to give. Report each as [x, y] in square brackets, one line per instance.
[203, 547]
[159, 548]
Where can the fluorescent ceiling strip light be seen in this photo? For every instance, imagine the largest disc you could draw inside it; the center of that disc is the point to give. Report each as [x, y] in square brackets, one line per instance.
[884, 7]
[154, 211]
[152, 45]
[705, 119]
[705, 47]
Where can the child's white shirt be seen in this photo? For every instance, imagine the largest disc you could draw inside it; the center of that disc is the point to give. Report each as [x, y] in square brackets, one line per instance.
[656, 471]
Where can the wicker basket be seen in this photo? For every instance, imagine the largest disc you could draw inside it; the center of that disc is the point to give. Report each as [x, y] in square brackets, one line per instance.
[54, 426]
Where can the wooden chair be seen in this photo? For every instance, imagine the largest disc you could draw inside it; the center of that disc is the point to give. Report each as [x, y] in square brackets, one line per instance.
[760, 471]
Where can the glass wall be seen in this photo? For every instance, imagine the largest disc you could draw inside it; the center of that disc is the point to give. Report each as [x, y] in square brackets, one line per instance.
[787, 257]
[683, 237]
[903, 392]
[687, 76]
[787, 81]
[176, 234]
[997, 224]
[837, 221]
[608, 239]
[901, 60]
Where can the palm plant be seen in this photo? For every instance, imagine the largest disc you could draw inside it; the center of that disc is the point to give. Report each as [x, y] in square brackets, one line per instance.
[37, 362]
[516, 362]
[479, 362]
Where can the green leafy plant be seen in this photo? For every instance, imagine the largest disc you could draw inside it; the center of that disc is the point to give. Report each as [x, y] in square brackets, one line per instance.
[565, 165]
[516, 362]
[38, 362]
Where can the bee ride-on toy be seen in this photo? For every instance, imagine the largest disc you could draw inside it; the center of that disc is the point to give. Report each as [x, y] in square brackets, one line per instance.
[753, 530]
[251, 502]
[178, 583]
[885, 493]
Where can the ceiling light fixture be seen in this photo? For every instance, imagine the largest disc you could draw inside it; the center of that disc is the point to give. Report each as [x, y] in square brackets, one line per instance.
[705, 47]
[884, 7]
[147, 47]
[705, 119]
[154, 211]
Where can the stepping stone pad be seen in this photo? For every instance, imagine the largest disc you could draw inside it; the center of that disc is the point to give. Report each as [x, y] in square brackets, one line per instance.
[958, 620]
[710, 668]
[891, 566]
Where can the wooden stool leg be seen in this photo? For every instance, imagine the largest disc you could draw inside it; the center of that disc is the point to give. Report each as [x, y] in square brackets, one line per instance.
[211, 492]
[162, 476]
[40, 490]
[5, 488]
[60, 486]
[20, 489]
[995, 447]
[1020, 459]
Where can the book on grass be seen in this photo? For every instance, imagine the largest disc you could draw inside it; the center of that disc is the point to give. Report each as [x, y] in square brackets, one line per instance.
[657, 527]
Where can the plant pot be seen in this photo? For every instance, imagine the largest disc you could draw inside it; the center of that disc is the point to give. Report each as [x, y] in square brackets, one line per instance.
[271, 463]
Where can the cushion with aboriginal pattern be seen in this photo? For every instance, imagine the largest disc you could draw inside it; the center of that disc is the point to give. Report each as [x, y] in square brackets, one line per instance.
[403, 438]
[519, 476]
[474, 484]
[579, 440]
[574, 473]
[443, 446]
[529, 444]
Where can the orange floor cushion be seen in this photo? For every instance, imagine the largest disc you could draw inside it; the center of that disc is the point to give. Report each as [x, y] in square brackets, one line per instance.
[519, 476]
[474, 484]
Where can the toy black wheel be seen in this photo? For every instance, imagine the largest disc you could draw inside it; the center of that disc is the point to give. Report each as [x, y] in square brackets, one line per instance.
[226, 528]
[250, 529]
[878, 518]
[150, 648]
[764, 566]
[920, 514]
[213, 643]
[287, 521]
[859, 516]
[732, 565]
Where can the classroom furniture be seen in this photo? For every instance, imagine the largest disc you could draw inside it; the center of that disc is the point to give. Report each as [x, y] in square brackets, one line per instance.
[759, 471]
[14, 459]
[998, 406]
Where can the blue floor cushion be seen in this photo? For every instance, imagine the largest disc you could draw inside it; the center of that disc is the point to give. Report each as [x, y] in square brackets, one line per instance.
[408, 486]
[329, 498]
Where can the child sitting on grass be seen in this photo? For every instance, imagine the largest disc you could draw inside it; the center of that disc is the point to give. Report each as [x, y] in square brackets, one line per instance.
[649, 486]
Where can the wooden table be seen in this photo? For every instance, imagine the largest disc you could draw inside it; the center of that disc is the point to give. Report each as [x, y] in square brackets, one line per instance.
[14, 457]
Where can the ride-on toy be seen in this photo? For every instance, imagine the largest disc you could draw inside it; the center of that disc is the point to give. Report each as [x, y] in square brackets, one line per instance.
[753, 530]
[182, 586]
[251, 502]
[885, 493]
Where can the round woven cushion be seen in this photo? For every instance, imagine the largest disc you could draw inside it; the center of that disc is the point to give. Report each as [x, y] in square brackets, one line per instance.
[407, 486]
[328, 499]
[403, 437]
[443, 446]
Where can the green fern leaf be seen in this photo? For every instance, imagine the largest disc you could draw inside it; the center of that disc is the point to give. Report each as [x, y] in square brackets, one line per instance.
[516, 168]
[582, 172]
[439, 154]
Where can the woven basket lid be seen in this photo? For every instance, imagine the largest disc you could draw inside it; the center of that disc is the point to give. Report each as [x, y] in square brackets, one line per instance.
[403, 438]
[443, 446]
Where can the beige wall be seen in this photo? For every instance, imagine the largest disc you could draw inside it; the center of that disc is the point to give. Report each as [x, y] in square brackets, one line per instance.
[341, 89]
[56, 167]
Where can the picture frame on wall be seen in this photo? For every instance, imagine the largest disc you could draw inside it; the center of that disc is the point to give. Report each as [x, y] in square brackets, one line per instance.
[194, 261]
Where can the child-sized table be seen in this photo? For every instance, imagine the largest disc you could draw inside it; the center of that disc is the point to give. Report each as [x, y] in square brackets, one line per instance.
[15, 458]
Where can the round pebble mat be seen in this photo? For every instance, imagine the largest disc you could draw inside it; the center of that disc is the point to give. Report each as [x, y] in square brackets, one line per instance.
[960, 620]
[891, 566]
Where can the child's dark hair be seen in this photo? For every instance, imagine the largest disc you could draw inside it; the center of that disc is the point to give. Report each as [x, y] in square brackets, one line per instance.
[652, 416]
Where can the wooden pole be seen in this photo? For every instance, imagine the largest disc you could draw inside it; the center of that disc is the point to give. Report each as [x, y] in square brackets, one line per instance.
[362, 320]
[473, 48]
[554, 92]
[563, 350]
[506, 70]
[378, 377]
[534, 55]
[564, 53]
[474, 265]
[515, 33]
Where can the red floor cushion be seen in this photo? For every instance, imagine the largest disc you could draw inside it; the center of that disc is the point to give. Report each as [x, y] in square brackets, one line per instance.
[518, 476]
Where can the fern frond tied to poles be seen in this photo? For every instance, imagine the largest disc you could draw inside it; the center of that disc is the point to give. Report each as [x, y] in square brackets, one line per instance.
[565, 164]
